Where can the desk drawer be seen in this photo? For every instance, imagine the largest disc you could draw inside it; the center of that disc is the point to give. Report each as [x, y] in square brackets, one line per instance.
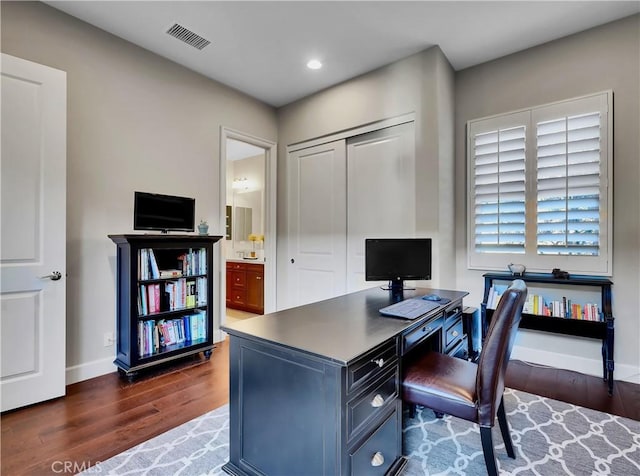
[451, 315]
[419, 334]
[371, 366]
[460, 350]
[454, 333]
[365, 408]
[379, 452]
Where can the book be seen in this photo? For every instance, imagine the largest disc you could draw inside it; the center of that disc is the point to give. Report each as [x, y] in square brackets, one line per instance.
[151, 301]
[153, 265]
[170, 273]
[143, 264]
[156, 297]
[193, 321]
[201, 291]
[186, 324]
[190, 300]
[180, 330]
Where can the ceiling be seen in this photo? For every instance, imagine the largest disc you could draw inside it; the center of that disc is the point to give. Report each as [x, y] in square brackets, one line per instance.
[238, 150]
[261, 47]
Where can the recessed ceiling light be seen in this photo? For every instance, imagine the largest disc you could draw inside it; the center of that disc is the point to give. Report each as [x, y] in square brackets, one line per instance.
[314, 64]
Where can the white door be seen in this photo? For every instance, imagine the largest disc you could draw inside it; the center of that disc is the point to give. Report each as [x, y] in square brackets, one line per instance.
[317, 223]
[32, 250]
[380, 193]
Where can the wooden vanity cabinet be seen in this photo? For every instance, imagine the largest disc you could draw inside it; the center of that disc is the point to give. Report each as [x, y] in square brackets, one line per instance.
[245, 286]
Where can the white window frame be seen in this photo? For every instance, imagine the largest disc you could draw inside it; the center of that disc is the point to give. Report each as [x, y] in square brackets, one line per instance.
[594, 265]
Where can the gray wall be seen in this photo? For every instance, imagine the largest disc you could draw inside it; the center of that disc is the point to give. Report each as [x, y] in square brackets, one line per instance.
[136, 121]
[421, 83]
[595, 60]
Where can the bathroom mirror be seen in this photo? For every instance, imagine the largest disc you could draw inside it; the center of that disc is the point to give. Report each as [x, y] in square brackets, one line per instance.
[242, 217]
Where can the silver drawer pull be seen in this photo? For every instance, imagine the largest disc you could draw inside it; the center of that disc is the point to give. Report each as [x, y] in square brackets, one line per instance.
[377, 401]
[377, 460]
[378, 362]
[454, 333]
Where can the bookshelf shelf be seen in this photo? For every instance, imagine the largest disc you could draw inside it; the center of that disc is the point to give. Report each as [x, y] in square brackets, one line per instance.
[591, 291]
[161, 318]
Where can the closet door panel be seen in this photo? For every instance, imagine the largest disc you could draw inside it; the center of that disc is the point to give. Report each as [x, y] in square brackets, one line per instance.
[317, 223]
[380, 193]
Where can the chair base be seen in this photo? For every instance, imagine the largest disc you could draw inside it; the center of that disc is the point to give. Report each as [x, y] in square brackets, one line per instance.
[487, 441]
[504, 429]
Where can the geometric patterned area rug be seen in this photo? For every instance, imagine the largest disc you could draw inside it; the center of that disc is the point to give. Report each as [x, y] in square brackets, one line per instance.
[550, 438]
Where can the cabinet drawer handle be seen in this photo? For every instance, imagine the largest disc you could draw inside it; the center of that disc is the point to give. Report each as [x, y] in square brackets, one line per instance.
[377, 460]
[377, 401]
[258, 277]
[454, 333]
[378, 362]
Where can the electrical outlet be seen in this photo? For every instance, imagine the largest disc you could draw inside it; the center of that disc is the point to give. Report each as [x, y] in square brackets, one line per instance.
[108, 339]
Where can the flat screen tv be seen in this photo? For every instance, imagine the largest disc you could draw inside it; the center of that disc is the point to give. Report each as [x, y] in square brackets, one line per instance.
[153, 211]
[397, 259]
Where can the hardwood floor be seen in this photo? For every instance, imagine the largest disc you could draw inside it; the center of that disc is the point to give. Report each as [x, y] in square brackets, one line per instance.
[102, 417]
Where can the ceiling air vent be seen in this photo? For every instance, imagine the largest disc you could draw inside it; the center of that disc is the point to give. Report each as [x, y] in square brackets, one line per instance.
[187, 36]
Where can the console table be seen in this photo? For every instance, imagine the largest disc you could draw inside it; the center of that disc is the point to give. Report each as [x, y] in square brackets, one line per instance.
[316, 389]
[580, 289]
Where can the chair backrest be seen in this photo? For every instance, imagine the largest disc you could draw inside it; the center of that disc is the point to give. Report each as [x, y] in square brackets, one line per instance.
[496, 351]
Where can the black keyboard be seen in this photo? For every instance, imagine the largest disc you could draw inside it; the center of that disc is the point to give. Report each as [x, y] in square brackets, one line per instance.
[410, 308]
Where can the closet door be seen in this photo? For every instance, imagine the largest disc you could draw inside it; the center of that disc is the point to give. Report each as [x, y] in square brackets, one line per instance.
[380, 193]
[317, 223]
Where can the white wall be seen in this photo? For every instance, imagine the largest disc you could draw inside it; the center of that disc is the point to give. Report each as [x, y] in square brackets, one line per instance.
[603, 58]
[136, 121]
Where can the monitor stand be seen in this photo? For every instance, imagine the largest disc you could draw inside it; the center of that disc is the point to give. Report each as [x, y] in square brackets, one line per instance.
[396, 286]
[396, 289]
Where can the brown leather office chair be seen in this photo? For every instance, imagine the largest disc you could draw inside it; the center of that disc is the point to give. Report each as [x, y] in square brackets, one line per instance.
[473, 392]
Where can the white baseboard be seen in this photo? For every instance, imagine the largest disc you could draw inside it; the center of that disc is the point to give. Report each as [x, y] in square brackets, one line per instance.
[96, 368]
[626, 373]
[219, 335]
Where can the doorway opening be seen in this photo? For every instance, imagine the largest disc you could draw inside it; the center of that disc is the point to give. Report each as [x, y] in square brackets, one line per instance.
[247, 184]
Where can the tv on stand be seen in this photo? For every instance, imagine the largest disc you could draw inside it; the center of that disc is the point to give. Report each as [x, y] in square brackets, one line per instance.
[164, 213]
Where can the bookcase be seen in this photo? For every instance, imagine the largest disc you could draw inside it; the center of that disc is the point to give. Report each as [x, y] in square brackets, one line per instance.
[577, 306]
[164, 298]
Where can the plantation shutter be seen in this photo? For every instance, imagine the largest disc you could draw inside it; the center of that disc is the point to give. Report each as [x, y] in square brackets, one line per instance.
[499, 190]
[540, 190]
[568, 185]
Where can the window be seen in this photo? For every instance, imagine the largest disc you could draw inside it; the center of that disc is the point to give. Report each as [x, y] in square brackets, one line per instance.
[539, 185]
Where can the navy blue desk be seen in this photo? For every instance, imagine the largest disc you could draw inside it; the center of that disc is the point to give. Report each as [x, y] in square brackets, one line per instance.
[315, 389]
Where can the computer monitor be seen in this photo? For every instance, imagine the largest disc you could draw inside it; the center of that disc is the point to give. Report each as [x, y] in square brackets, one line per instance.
[397, 259]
